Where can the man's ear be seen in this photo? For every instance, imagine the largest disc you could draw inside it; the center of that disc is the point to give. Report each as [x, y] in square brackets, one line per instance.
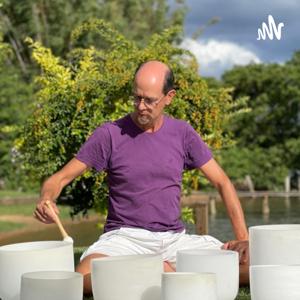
[171, 94]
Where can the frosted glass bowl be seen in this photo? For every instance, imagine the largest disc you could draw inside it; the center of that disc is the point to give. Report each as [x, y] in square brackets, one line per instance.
[188, 286]
[275, 282]
[224, 263]
[134, 277]
[17, 259]
[52, 285]
[274, 244]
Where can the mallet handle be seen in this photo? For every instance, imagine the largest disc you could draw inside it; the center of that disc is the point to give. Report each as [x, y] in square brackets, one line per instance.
[57, 220]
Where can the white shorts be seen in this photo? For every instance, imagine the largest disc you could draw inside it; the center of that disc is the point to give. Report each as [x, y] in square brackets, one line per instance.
[130, 241]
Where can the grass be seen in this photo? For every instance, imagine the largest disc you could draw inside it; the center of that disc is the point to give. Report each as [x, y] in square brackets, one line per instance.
[16, 194]
[23, 210]
[6, 226]
[28, 209]
[244, 294]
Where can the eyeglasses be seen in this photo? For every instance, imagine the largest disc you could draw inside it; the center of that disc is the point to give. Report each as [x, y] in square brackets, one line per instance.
[149, 102]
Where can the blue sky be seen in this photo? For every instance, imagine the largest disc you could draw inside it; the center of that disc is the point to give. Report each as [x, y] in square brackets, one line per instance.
[233, 41]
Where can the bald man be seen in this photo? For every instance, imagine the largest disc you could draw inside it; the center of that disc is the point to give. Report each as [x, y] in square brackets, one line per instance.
[144, 154]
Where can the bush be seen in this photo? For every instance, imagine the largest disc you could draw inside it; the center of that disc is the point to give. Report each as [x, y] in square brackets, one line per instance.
[93, 86]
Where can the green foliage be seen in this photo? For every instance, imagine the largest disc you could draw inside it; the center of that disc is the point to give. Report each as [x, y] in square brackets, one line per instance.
[14, 93]
[93, 86]
[13, 97]
[4, 50]
[268, 134]
[274, 92]
[51, 22]
[187, 215]
[266, 167]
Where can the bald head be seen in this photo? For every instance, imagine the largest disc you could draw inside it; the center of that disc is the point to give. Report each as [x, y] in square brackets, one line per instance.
[155, 73]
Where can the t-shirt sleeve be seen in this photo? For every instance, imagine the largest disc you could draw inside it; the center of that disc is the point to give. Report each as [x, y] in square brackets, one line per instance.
[197, 152]
[95, 152]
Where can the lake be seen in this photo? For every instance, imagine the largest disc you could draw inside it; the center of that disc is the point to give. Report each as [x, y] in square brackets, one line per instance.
[282, 210]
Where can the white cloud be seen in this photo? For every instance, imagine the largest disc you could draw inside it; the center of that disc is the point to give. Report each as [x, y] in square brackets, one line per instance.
[214, 57]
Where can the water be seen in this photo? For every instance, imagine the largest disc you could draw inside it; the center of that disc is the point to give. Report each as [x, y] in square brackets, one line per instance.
[281, 211]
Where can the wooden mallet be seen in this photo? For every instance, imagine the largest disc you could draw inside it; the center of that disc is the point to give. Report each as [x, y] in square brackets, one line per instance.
[63, 232]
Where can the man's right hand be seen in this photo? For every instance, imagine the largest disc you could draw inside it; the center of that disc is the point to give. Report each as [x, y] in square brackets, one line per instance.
[53, 186]
[242, 247]
[43, 213]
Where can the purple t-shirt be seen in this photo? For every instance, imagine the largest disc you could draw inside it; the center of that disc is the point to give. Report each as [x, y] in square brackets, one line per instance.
[144, 170]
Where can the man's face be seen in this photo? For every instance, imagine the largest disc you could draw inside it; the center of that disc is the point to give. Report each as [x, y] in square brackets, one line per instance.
[148, 102]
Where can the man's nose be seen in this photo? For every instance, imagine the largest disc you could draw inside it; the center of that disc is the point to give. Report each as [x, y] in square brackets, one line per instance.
[141, 105]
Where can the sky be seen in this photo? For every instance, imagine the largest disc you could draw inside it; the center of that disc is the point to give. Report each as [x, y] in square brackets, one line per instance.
[233, 40]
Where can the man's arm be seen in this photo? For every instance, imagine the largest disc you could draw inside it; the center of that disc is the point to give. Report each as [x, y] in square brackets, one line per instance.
[53, 186]
[215, 174]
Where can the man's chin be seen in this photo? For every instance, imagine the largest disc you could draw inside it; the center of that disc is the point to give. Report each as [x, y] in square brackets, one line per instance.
[143, 120]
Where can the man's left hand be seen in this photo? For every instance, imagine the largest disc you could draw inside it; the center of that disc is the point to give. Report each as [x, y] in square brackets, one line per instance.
[242, 247]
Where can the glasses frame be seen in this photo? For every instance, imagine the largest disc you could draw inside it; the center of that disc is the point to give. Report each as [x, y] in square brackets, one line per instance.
[136, 99]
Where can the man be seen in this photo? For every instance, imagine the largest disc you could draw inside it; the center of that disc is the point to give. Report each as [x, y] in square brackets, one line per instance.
[144, 154]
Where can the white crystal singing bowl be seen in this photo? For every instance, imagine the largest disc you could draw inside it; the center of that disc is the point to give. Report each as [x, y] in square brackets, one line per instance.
[224, 263]
[52, 285]
[17, 259]
[188, 285]
[134, 277]
[274, 244]
[275, 282]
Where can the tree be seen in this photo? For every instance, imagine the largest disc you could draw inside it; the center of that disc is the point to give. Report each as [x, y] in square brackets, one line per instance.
[93, 86]
[13, 94]
[51, 22]
[271, 128]
[273, 92]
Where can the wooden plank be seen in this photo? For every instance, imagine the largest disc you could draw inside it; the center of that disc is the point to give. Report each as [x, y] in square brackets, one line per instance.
[249, 183]
[265, 205]
[199, 204]
[247, 194]
[201, 219]
[194, 199]
[212, 206]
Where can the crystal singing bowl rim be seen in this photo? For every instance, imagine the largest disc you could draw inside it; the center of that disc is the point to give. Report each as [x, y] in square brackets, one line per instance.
[275, 227]
[207, 252]
[276, 266]
[174, 274]
[51, 275]
[127, 257]
[33, 246]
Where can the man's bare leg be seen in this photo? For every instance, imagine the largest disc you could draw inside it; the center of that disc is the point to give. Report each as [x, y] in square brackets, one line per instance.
[84, 267]
[244, 274]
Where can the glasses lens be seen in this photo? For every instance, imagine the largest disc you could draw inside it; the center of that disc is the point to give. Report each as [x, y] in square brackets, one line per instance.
[148, 102]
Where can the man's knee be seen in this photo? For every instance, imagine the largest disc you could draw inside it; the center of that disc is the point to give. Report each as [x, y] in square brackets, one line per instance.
[168, 267]
[84, 266]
